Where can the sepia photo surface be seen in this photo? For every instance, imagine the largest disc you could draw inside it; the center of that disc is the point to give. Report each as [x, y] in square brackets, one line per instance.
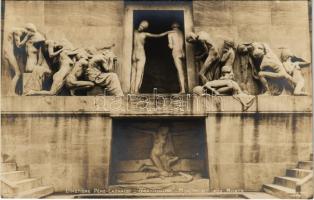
[156, 99]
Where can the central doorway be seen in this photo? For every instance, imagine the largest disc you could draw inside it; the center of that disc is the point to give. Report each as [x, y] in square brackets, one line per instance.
[160, 71]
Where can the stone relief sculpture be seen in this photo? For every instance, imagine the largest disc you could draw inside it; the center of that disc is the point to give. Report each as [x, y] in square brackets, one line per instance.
[225, 85]
[209, 52]
[244, 69]
[163, 159]
[86, 68]
[16, 38]
[138, 55]
[162, 153]
[73, 80]
[293, 65]
[270, 66]
[66, 65]
[73, 68]
[34, 55]
[258, 69]
[176, 44]
[99, 72]
[211, 67]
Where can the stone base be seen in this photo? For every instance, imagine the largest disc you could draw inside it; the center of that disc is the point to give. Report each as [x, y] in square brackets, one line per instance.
[96, 91]
[194, 106]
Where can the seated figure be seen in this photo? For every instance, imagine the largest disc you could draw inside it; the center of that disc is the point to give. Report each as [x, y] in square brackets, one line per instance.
[225, 85]
[99, 72]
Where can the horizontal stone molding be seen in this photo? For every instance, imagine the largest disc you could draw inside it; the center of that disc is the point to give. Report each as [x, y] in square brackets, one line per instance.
[150, 104]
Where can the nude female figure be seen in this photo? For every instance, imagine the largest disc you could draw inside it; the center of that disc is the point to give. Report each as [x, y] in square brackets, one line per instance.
[13, 40]
[138, 56]
[66, 65]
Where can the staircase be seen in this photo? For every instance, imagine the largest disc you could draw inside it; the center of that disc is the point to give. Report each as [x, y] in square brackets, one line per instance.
[297, 183]
[18, 184]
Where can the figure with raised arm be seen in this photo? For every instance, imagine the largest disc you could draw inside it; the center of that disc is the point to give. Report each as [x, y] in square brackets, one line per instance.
[138, 55]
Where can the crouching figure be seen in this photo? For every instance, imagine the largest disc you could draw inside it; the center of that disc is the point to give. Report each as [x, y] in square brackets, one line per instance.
[99, 71]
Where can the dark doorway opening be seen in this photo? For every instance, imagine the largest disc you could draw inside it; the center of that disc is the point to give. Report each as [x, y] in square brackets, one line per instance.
[160, 71]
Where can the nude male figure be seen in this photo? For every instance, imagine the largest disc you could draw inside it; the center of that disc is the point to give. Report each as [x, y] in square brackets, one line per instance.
[161, 158]
[138, 55]
[72, 80]
[176, 44]
[223, 86]
[210, 51]
[66, 65]
[13, 40]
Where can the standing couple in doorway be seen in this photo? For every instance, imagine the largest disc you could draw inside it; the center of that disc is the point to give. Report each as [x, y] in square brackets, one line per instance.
[175, 43]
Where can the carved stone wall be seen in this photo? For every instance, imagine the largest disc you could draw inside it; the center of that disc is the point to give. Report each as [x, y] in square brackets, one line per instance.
[246, 151]
[67, 151]
[70, 148]
[84, 23]
[278, 23]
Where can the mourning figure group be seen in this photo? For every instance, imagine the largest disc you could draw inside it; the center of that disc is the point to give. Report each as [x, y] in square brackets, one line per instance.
[272, 75]
[55, 66]
[66, 66]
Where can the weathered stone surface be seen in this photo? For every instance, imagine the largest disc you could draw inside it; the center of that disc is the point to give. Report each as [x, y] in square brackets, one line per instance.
[264, 145]
[211, 13]
[250, 12]
[99, 14]
[290, 104]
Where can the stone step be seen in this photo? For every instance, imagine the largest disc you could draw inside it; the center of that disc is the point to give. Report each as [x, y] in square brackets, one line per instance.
[311, 157]
[297, 173]
[305, 165]
[14, 175]
[36, 193]
[28, 184]
[279, 191]
[8, 167]
[285, 181]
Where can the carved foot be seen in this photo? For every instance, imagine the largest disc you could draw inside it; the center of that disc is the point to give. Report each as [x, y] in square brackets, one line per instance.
[72, 92]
